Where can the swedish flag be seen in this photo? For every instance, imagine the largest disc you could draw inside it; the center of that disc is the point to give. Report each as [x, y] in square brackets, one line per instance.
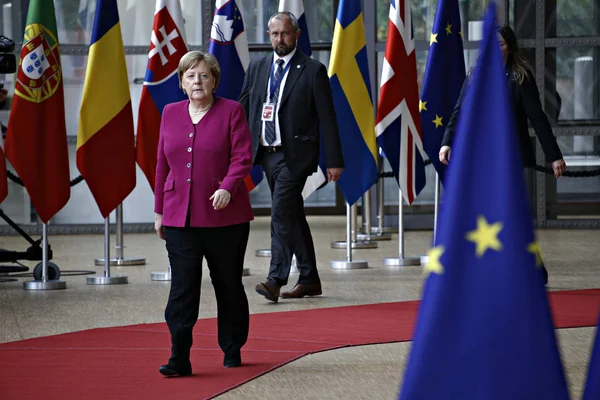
[484, 329]
[349, 79]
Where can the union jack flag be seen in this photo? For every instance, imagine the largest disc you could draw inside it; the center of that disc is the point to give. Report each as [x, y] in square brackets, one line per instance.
[398, 124]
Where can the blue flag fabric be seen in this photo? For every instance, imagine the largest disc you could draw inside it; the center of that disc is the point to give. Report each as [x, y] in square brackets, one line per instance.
[484, 329]
[592, 385]
[444, 76]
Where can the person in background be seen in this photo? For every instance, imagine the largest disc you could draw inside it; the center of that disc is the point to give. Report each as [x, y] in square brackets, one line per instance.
[203, 209]
[289, 104]
[526, 101]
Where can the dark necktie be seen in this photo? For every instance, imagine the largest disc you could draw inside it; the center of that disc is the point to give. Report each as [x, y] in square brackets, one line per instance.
[270, 125]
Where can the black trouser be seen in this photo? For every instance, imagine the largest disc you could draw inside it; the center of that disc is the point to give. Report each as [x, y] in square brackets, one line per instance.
[290, 233]
[224, 249]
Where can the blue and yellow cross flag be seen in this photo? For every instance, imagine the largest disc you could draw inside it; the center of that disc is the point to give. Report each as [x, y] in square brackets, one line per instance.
[484, 329]
[349, 80]
[592, 385]
[444, 77]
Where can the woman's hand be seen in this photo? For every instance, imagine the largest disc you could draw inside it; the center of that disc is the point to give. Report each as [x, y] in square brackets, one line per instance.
[158, 226]
[559, 167]
[445, 152]
[220, 199]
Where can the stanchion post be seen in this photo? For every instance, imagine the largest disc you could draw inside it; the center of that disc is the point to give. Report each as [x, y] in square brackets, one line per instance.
[349, 263]
[380, 186]
[107, 279]
[353, 235]
[120, 259]
[44, 284]
[368, 234]
[161, 276]
[401, 260]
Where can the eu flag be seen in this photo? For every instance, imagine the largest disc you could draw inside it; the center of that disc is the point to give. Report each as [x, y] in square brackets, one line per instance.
[484, 329]
[592, 385]
[444, 76]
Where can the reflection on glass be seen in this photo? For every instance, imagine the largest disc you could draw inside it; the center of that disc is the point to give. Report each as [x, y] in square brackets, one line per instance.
[577, 82]
[319, 14]
[423, 13]
[75, 20]
[577, 18]
[583, 154]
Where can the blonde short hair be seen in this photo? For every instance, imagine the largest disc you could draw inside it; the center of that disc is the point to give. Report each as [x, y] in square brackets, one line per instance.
[193, 58]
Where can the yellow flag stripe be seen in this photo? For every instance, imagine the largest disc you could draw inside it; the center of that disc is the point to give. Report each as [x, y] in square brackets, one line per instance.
[347, 43]
[106, 87]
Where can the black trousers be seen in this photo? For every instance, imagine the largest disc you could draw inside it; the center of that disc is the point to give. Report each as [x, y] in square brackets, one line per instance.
[224, 249]
[290, 233]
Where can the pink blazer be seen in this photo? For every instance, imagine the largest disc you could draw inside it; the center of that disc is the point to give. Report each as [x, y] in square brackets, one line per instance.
[194, 162]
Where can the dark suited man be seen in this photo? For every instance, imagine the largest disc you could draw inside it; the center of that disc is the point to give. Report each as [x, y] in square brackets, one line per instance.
[288, 103]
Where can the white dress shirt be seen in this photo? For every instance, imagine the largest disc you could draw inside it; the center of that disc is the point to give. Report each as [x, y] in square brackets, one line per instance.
[286, 60]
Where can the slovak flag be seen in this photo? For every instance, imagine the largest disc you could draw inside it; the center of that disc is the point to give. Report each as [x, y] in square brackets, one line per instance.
[229, 44]
[296, 7]
[398, 123]
[161, 85]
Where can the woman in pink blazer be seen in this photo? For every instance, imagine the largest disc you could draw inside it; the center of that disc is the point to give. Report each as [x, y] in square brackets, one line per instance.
[203, 209]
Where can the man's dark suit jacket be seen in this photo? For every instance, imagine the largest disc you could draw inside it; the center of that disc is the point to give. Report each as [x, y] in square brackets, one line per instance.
[305, 112]
[526, 103]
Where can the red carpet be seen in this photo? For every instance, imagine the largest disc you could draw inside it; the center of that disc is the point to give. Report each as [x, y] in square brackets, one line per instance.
[122, 362]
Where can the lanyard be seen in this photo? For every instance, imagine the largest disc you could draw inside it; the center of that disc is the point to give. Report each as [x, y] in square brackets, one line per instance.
[276, 83]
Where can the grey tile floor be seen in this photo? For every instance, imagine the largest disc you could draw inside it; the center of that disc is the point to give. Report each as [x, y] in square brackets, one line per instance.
[369, 372]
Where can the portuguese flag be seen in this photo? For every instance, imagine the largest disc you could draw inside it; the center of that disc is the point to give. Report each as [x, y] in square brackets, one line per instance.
[36, 140]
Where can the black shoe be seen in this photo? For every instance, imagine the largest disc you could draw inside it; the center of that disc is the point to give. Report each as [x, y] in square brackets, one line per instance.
[173, 370]
[545, 273]
[232, 361]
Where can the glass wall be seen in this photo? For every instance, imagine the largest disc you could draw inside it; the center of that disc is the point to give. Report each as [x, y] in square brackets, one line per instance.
[565, 56]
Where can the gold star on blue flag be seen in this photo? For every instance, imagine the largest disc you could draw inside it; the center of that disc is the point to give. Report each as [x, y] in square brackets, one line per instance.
[484, 329]
[444, 77]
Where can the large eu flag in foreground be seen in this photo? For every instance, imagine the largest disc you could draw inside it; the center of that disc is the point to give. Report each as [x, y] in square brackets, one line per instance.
[484, 328]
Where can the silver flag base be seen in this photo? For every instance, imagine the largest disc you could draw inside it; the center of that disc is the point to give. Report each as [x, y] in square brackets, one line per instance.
[106, 280]
[424, 259]
[358, 264]
[263, 253]
[374, 236]
[124, 262]
[41, 285]
[386, 229]
[359, 244]
[401, 261]
[160, 276]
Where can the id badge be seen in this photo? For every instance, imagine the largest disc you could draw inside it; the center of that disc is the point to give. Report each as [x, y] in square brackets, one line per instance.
[268, 111]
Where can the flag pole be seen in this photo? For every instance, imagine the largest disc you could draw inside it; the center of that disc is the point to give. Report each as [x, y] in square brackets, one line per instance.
[367, 224]
[436, 210]
[401, 260]
[380, 229]
[106, 279]
[120, 260]
[354, 243]
[44, 284]
[349, 263]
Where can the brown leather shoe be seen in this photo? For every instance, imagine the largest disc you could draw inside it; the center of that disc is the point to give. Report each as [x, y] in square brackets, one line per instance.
[300, 290]
[269, 289]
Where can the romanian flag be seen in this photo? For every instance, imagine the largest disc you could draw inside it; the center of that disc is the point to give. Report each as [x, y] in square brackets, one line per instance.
[349, 79]
[105, 142]
[36, 140]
